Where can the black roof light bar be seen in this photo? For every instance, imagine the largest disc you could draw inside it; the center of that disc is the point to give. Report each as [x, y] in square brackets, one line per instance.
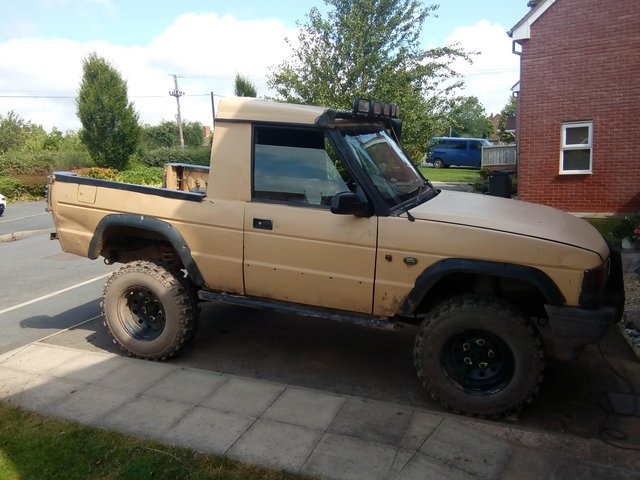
[370, 108]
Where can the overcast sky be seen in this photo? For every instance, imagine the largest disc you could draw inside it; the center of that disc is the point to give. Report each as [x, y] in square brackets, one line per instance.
[43, 42]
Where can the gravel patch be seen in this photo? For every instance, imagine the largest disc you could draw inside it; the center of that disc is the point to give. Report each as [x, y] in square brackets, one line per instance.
[632, 310]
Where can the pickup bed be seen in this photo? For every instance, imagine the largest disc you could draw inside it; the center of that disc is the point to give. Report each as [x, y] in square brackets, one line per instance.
[320, 212]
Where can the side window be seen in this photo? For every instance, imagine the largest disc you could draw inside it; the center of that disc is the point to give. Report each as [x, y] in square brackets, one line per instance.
[295, 166]
[457, 145]
[476, 146]
[577, 144]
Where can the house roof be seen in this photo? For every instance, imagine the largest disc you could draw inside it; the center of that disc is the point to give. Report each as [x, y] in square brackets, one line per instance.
[522, 29]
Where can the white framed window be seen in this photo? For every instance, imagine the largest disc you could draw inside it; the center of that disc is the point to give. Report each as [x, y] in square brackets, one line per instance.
[577, 147]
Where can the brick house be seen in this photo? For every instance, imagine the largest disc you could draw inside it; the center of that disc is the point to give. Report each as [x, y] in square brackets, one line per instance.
[578, 130]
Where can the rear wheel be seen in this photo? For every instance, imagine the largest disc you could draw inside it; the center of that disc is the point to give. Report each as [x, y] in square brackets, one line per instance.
[479, 356]
[149, 310]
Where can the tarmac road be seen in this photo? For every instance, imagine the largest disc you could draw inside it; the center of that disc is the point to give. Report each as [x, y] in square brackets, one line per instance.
[289, 349]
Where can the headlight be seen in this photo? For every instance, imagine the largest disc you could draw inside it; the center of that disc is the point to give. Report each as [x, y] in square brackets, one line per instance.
[593, 283]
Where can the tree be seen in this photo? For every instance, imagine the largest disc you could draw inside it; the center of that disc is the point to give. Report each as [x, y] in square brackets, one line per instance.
[467, 118]
[509, 110]
[243, 87]
[370, 48]
[166, 134]
[110, 128]
[15, 132]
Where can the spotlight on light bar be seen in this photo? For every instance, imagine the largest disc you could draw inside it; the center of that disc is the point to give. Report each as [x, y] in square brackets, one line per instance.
[370, 108]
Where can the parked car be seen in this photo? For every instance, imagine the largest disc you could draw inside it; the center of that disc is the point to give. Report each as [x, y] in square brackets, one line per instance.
[3, 204]
[461, 152]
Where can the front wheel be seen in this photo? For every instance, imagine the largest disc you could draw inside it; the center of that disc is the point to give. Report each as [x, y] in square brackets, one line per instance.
[479, 356]
[438, 163]
[148, 310]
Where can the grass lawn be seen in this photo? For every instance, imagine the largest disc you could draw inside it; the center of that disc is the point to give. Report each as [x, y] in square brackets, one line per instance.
[451, 174]
[33, 446]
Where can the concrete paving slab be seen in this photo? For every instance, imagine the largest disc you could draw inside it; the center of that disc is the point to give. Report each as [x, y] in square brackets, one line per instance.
[10, 353]
[39, 358]
[187, 385]
[13, 382]
[147, 417]
[403, 457]
[208, 431]
[88, 367]
[306, 408]
[136, 376]
[346, 458]
[529, 464]
[569, 468]
[43, 392]
[244, 396]
[533, 464]
[90, 403]
[372, 421]
[421, 426]
[276, 445]
[421, 467]
[461, 447]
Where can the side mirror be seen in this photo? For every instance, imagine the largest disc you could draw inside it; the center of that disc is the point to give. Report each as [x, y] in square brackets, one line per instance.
[348, 203]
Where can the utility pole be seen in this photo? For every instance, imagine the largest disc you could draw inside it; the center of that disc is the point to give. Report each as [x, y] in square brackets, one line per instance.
[178, 93]
[213, 111]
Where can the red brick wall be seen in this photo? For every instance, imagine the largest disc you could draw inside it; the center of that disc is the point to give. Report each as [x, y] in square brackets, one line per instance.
[582, 63]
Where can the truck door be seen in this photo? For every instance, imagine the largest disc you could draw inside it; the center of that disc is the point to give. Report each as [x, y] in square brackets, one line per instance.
[295, 249]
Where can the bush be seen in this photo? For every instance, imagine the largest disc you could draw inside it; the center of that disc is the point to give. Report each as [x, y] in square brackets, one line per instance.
[139, 175]
[24, 187]
[12, 188]
[41, 163]
[142, 176]
[626, 227]
[101, 173]
[193, 155]
[71, 160]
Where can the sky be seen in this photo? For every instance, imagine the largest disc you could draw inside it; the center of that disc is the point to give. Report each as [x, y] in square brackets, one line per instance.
[205, 43]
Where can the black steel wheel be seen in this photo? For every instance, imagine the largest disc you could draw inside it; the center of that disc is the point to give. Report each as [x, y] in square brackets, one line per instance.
[479, 361]
[141, 314]
[479, 356]
[149, 310]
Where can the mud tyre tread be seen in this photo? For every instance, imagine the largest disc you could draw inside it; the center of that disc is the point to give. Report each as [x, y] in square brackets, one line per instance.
[178, 301]
[498, 317]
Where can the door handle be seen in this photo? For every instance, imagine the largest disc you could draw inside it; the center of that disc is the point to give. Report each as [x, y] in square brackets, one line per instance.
[262, 224]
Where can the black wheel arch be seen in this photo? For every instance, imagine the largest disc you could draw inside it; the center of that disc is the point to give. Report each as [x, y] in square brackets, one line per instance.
[150, 225]
[451, 266]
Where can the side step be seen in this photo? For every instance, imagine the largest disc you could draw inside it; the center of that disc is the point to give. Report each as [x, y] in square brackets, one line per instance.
[370, 321]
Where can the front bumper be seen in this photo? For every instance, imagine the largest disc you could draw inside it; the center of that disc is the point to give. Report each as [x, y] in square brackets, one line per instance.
[570, 329]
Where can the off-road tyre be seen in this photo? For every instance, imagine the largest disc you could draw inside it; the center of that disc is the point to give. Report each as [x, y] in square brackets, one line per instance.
[479, 356]
[149, 310]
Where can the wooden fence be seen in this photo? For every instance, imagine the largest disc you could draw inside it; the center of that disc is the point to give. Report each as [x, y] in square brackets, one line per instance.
[499, 156]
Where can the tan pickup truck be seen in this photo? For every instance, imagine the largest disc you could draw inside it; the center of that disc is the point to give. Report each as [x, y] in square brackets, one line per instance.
[319, 212]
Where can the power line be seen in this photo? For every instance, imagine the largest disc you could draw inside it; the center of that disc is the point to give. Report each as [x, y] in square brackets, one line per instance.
[70, 97]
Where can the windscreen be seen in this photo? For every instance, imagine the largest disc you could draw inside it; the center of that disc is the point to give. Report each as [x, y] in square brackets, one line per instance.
[392, 173]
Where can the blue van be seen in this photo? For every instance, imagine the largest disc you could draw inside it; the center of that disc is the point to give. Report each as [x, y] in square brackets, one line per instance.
[461, 152]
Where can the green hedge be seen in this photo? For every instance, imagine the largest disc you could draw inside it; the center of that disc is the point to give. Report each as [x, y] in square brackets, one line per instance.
[23, 187]
[159, 156]
[142, 176]
[41, 163]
